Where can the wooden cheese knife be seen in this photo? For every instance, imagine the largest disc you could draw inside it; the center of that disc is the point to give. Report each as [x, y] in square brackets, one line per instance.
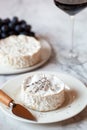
[17, 109]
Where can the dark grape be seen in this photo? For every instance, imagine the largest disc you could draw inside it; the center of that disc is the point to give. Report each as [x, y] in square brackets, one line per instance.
[4, 28]
[11, 33]
[22, 22]
[24, 33]
[6, 21]
[28, 28]
[3, 35]
[17, 28]
[28, 34]
[0, 22]
[23, 26]
[11, 25]
[32, 34]
[15, 20]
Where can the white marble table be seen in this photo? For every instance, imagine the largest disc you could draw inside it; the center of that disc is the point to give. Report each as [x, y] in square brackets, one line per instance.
[52, 24]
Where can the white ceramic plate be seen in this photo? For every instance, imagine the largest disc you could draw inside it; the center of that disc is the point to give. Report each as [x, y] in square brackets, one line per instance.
[45, 55]
[75, 101]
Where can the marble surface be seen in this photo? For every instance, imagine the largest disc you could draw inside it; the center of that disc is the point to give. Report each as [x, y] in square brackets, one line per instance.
[55, 26]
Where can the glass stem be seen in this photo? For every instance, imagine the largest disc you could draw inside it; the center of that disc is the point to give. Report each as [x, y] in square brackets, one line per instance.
[72, 37]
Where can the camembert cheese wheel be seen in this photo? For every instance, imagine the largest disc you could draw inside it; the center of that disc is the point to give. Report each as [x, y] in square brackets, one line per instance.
[20, 51]
[42, 92]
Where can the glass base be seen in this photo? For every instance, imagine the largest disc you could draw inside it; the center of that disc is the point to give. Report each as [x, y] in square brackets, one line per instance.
[73, 54]
[71, 58]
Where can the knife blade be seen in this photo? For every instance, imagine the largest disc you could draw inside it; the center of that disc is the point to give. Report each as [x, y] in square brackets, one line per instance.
[17, 109]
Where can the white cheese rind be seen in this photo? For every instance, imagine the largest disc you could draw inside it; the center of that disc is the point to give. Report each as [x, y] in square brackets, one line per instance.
[20, 51]
[49, 98]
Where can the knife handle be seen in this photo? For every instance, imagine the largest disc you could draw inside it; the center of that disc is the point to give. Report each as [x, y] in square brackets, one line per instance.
[4, 98]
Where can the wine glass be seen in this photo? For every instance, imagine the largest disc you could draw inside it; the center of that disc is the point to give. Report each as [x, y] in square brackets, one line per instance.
[71, 7]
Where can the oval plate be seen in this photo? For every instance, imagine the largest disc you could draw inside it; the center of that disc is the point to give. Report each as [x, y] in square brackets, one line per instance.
[76, 95]
[45, 55]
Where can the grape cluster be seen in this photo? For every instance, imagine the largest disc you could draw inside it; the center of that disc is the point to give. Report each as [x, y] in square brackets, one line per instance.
[14, 27]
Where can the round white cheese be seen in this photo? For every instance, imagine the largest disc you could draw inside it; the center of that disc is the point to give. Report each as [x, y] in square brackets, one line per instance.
[42, 92]
[20, 51]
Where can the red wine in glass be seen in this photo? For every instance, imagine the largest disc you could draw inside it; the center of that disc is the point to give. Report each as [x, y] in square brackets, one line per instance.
[71, 6]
